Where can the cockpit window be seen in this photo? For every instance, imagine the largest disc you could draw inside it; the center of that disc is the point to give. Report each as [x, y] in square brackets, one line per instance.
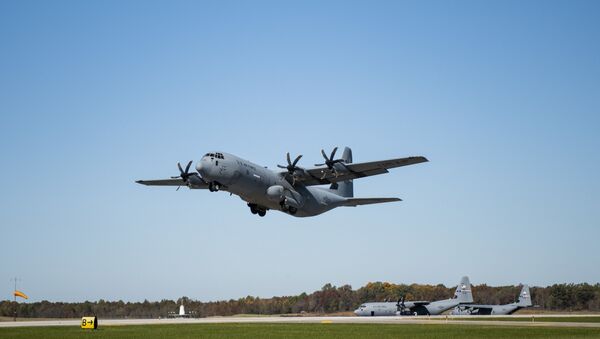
[215, 155]
[362, 306]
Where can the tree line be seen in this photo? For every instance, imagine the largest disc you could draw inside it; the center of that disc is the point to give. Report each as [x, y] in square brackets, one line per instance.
[329, 299]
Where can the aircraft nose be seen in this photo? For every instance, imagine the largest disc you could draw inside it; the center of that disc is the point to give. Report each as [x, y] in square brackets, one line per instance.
[200, 167]
[356, 312]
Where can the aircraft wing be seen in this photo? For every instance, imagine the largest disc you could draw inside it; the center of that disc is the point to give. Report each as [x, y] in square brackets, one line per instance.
[322, 176]
[193, 182]
[417, 306]
[412, 304]
[367, 201]
[162, 182]
[478, 308]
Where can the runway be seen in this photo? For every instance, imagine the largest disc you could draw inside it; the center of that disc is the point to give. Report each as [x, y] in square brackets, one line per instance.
[442, 320]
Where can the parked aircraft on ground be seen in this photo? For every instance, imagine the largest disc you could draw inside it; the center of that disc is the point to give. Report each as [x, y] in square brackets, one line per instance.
[180, 314]
[524, 301]
[291, 191]
[462, 295]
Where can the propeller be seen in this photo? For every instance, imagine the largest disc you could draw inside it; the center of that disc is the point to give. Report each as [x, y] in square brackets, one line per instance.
[400, 304]
[291, 167]
[329, 161]
[184, 175]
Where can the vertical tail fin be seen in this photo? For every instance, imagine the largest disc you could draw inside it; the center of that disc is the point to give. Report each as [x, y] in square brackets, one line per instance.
[463, 291]
[525, 297]
[345, 188]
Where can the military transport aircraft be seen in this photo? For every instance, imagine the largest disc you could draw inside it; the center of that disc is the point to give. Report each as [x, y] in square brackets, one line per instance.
[524, 301]
[462, 295]
[291, 191]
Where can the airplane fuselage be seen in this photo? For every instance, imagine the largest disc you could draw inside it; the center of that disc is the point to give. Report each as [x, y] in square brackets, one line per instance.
[475, 309]
[292, 190]
[391, 308]
[264, 188]
[461, 295]
[486, 309]
[377, 309]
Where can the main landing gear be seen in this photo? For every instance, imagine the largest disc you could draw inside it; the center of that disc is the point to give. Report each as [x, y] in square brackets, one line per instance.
[255, 209]
[290, 209]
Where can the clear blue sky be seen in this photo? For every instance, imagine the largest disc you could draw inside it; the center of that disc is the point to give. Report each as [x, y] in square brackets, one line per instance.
[502, 97]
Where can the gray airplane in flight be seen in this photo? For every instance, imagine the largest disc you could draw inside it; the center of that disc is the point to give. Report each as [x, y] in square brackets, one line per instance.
[291, 191]
[524, 301]
[462, 295]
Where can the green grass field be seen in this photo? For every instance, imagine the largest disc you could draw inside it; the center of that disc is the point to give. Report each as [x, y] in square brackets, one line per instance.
[591, 319]
[300, 331]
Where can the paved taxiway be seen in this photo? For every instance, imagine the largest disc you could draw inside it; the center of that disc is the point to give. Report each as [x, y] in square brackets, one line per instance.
[456, 320]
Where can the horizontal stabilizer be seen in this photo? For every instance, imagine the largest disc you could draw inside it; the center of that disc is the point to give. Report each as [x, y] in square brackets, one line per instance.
[367, 201]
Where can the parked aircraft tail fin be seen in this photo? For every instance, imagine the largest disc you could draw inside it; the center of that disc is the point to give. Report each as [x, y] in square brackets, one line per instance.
[345, 188]
[463, 291]
[525, 297]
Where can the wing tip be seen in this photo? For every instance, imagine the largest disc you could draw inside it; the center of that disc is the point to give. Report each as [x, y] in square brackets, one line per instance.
[369, 201]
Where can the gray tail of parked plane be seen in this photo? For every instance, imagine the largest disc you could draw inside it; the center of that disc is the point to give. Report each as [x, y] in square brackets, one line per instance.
[463, 291]
[345, 188]
[525, 297]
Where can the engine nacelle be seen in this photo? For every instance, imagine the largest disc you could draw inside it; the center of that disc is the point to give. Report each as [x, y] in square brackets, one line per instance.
[276, 193]
[340, 168]
[195, 182]
[289, 201]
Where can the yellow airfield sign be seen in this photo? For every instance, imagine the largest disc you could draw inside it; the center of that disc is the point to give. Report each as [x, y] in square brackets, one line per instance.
[89, 323]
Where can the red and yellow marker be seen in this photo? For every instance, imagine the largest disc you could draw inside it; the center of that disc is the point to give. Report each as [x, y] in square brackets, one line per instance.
[20, 294]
